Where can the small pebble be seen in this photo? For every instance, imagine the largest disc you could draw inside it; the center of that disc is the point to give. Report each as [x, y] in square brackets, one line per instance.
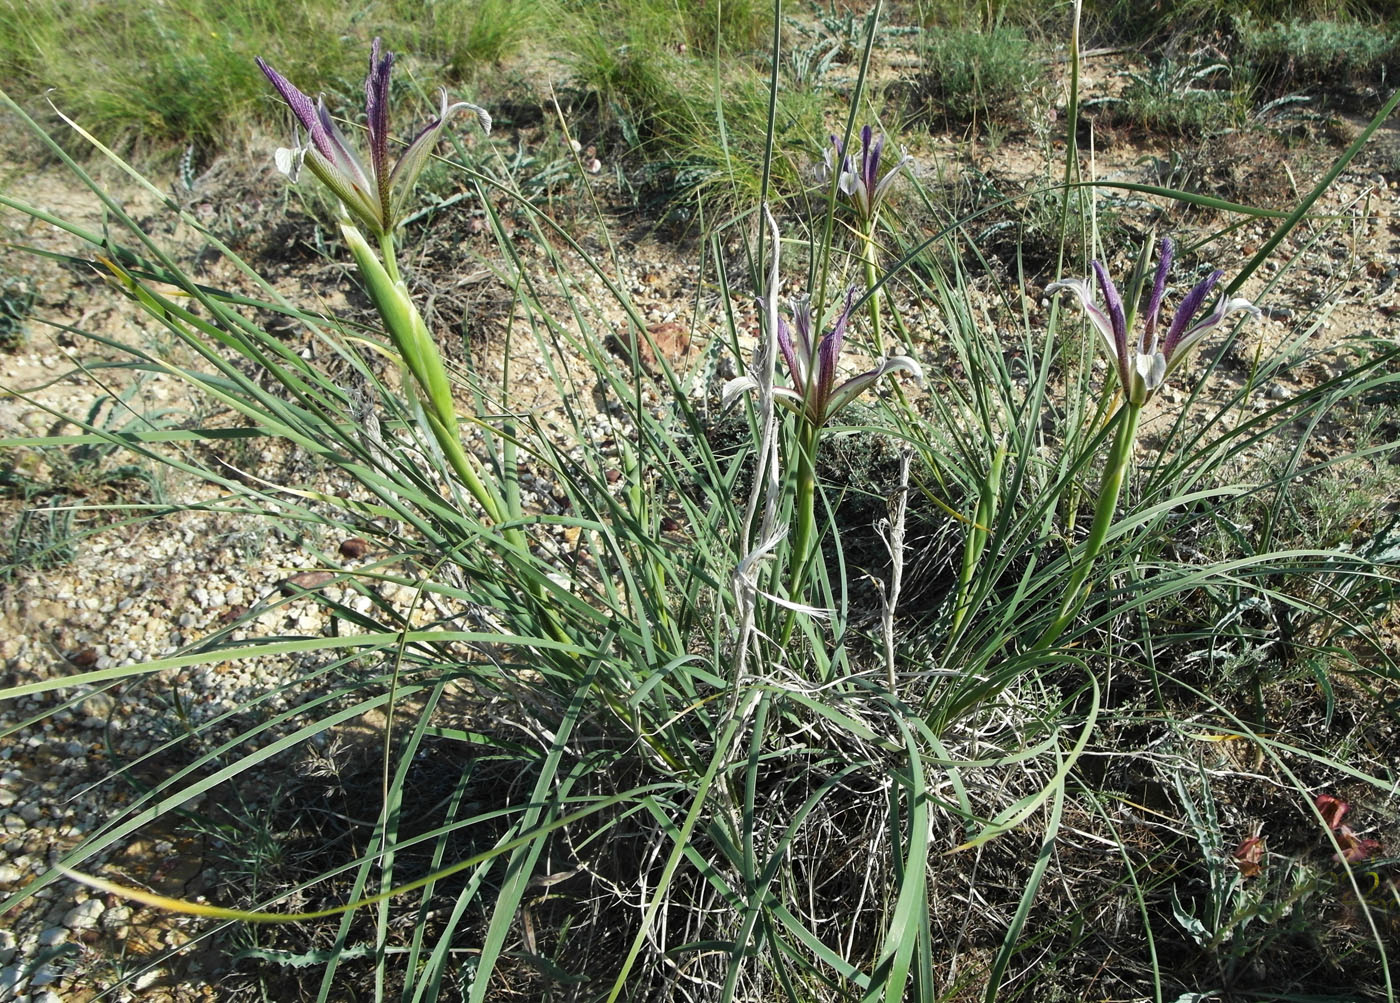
[354, 547]
[11, 979]
[306, 580]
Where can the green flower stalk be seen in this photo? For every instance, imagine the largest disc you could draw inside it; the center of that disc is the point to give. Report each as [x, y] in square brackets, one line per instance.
[421, 358]
[1141, 366]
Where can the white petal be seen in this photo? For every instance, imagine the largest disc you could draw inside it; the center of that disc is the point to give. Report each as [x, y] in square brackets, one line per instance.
[1084, 292]
[735, 387]
[288, 161]
[857, 385]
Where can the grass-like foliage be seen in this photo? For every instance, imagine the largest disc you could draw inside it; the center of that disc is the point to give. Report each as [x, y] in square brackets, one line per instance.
[1126, 21]
[801, 692]
[970, 74]
[178, 72]
[1299, 53]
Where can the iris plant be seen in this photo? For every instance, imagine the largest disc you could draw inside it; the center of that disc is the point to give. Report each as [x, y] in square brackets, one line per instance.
[812, 366]
[858, 180]
[374, 194]
[1142, 362]
[815, 397]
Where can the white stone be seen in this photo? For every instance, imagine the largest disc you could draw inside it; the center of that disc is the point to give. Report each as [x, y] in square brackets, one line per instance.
[84, 915]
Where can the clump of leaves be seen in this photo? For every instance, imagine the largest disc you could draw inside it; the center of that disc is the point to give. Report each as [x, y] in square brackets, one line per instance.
[16, 300]
[1178, 97]
[1296, 54]
[968, 75]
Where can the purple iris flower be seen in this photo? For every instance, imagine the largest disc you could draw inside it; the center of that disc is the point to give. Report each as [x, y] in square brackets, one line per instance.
[1148, 360]
[860, 181]
[812, 365]
[374, 194]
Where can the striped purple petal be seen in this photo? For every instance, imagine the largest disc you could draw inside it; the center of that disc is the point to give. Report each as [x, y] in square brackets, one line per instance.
[1188, 309]
[335, 160]
[870, 155]
[377, 113]
[1113, 303]
[1148, 344]
[303, 108]
[828, 352]
[798, 377]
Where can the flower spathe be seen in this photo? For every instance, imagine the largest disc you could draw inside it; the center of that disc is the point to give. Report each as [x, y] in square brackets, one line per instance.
[373, 194]
[1145, 362]
[812, 365]
[860, 181]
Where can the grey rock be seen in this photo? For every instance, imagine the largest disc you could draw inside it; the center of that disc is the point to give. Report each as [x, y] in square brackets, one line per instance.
[11, 980]
[84, 915]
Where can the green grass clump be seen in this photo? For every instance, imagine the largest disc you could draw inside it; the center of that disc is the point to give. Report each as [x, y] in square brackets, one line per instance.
[1130, 21]
[468, 36]
[699, 120]
[968, 74]
[1179, 98]
[175, 73]
[1302, 53]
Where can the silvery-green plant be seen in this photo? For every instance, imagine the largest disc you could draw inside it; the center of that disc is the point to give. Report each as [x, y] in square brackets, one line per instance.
[1141, 364]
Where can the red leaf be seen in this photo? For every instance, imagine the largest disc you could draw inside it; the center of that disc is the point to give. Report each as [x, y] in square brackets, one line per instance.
[1248, 855]
[1332, 810]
